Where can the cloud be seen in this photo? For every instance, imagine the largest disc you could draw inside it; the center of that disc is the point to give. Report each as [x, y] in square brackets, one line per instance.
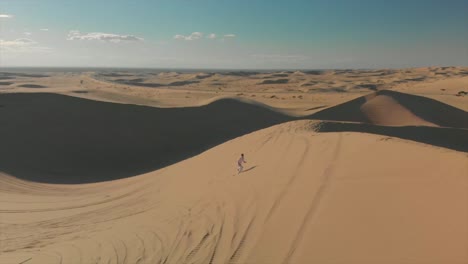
[6, 16]
[227, 36]
[27, 33]
[17, 42]
[106, 37]
[22, 45]
[44, 29]
[199, 35]
[193, 36]
[180, 37]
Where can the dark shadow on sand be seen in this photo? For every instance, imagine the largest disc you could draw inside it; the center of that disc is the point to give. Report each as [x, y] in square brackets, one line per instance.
[278, 81]
[240, 73]
[451, 138]
[116, 74]
[140, 82]
[13, 75]
[61, 139]
[249, 169]
[32, 86]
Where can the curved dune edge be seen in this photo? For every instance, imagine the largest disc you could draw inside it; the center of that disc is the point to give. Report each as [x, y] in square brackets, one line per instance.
[61, 139]
[392, 108]
[305, 197]
[383, 107]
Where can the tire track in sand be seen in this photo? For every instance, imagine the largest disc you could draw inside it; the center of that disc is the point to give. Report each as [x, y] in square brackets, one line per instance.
[314, 206]
[291, 180]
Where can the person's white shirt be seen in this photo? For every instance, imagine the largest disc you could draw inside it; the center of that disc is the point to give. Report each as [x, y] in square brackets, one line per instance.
[240, 162]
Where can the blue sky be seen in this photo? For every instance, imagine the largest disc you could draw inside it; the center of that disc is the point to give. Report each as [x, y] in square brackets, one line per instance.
[234, 34]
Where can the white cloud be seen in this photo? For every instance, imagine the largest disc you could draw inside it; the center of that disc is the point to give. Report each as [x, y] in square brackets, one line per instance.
[28, 33]
[6, 16]
[211, 36]
[44, 29]
[193, 36]
[199, 35]
[22, 45]
[17, 42]
[180, 37]
[107, 37]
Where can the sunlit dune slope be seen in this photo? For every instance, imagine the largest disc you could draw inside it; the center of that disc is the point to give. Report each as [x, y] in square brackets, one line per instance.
[391, 108]
[305, 197]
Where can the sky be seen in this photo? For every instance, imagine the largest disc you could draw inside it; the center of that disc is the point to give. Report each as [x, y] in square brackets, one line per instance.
[234, 34]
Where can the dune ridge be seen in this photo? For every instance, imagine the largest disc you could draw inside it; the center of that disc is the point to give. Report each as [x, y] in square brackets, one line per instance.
[60, 139]
[392, 108]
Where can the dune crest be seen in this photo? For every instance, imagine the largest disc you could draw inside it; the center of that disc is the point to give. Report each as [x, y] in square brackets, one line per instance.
[61, 139]
[391, 108]
[72, 140]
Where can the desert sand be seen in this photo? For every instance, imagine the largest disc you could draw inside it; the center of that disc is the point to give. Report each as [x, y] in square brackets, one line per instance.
[343, 166]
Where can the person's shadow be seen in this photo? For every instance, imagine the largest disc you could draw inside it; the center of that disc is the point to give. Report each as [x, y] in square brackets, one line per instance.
[249, 169]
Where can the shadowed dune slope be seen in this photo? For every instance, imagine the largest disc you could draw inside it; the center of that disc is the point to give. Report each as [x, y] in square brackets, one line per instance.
[59, 139]
[451, 138]
[390, 108]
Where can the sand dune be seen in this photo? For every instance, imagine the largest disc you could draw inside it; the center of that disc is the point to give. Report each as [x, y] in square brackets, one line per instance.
[305, 197]
[72, 140]
[380, 178]
[351, 80]
[303, 90]
[393, 108]
[62, 139]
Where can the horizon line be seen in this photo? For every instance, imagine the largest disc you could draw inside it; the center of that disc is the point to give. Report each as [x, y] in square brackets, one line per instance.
[218, 69]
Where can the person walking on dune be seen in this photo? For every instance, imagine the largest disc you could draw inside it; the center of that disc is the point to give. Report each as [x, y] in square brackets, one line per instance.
[240, 162]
